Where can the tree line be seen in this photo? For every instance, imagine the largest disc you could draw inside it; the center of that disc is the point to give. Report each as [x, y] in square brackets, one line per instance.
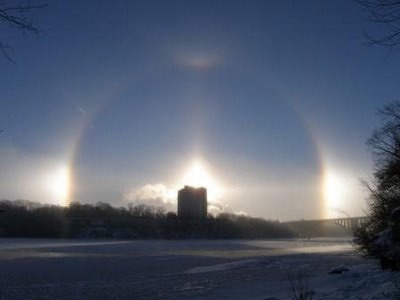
[21, 218]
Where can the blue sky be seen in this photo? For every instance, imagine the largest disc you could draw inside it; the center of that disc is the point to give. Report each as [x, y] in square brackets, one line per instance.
[275, 98]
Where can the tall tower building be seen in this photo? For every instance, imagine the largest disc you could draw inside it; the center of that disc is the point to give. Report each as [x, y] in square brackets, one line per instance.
[192, 203]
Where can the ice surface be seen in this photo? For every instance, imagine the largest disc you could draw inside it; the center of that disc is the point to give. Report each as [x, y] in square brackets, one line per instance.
[186, 269]
[221, 267]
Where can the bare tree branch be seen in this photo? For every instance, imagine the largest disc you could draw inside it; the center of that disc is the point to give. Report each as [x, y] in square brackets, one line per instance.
[387, 14]
[5, 49]
[15, 17]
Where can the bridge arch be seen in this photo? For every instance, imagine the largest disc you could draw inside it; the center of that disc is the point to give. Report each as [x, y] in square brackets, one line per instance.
[349, 223]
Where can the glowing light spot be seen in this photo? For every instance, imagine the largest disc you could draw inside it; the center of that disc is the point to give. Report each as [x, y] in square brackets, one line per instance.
[199, 62]
[198, 176]
[58, 185]
[197, 58]
[334, 190]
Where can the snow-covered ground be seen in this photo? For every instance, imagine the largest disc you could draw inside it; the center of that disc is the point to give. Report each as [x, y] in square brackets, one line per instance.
[198, 269]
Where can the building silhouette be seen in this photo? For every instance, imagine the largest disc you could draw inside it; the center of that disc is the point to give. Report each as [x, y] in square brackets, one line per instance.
[192, 203]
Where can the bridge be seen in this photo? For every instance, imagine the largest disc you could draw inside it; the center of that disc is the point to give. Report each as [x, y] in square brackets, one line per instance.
[324, 227]
[348, 223]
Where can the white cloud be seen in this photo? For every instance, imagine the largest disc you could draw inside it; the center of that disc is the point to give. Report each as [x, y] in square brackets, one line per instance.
[241, 213]
[216, 207]
[152, 194]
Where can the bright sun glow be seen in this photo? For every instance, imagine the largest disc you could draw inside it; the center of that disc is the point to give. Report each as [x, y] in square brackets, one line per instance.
[198, 176]
[334, 192]
[58, 185]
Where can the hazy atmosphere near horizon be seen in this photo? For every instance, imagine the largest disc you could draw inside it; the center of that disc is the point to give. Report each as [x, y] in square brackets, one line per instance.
[268, 104]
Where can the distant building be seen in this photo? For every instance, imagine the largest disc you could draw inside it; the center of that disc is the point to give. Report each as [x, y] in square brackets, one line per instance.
[192, 203]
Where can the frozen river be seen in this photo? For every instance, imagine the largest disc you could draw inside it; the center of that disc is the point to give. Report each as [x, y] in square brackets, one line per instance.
[223, 269]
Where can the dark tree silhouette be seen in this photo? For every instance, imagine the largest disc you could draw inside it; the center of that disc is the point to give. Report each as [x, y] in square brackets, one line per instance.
[381, 234]
[16, 16]
[387, 14]
[385, 146]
